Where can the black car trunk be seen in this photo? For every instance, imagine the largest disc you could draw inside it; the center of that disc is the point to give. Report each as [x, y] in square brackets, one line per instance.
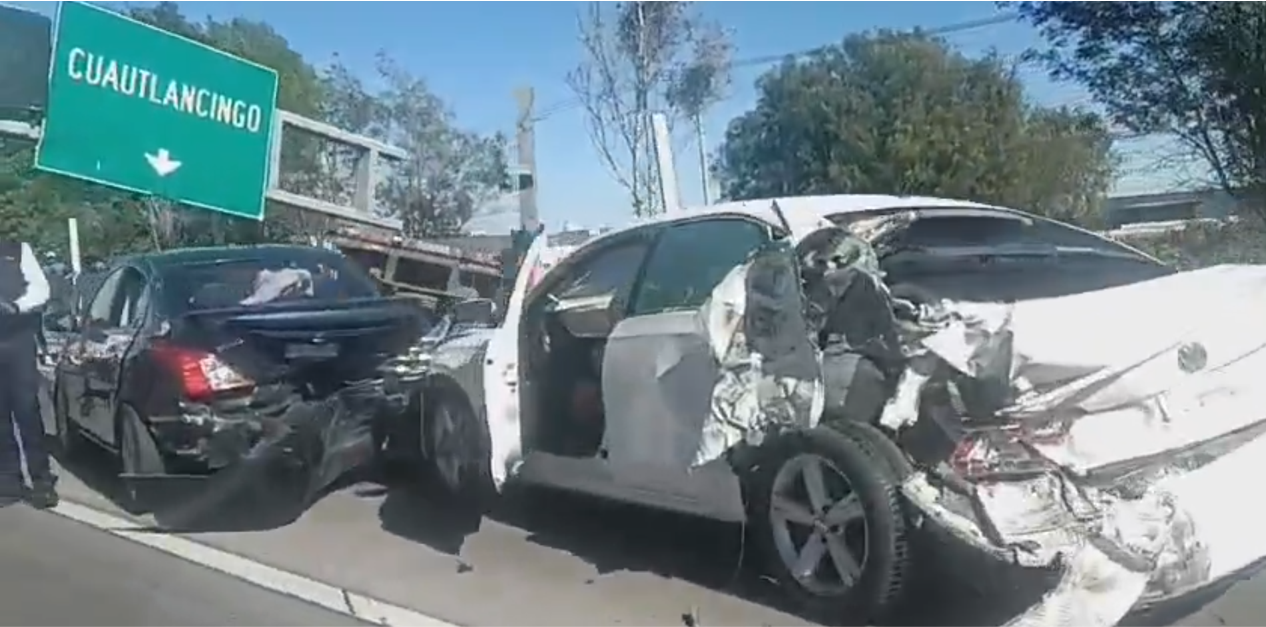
[316, 343]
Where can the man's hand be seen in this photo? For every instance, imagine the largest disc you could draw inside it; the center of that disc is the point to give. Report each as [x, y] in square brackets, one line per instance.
[8, 308]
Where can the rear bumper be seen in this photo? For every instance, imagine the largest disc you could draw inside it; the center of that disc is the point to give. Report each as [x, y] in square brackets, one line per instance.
[322, 438]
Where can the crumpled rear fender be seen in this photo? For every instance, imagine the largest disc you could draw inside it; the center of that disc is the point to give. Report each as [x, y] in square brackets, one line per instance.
[323, 438]
[770, 369]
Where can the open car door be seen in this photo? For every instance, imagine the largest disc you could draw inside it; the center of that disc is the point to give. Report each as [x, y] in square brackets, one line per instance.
[501, 369]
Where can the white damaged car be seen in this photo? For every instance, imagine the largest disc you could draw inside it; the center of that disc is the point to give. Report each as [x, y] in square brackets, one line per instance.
[842, 373]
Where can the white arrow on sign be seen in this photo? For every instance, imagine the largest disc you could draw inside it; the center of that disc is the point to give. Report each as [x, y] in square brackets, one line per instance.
[162, 162]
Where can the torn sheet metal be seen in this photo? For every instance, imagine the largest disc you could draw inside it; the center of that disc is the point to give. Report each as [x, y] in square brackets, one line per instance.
[770, 374]
[768, 320]
[1144, 416]
[1094, 590]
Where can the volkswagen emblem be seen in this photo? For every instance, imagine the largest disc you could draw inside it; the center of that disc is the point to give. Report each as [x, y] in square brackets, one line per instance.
[1192, 357]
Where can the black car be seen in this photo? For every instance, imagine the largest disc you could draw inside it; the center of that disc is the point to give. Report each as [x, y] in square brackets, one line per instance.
[189, 362]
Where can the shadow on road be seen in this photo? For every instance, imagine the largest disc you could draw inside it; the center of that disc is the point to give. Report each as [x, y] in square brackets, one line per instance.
[412, 509]
[615, 537]
[249, 501]
[611, 537]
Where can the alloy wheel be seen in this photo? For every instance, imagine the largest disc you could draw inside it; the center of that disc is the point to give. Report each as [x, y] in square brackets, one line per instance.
[819, 525]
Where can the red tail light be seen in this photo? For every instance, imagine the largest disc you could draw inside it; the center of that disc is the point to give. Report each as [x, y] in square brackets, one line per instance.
[202, 375]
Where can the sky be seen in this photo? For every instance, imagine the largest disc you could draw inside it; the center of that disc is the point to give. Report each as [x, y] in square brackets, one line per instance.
[474, 55]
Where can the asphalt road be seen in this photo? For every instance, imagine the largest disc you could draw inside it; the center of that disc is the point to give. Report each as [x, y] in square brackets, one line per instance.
[550, 560]
[557, 561]
[55, 571]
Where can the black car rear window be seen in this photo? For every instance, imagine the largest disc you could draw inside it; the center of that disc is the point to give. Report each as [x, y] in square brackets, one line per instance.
[261, 277]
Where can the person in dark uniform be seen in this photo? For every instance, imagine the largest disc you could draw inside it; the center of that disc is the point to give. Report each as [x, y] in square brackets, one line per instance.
[23, 291]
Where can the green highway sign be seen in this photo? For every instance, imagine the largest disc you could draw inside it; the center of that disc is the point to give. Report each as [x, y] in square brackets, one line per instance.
[137, 108]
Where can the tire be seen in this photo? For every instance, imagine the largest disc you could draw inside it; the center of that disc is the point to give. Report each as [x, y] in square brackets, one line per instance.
[70, 439]
[138, 455]
[457, 449]
[877, 445]
[880, 582]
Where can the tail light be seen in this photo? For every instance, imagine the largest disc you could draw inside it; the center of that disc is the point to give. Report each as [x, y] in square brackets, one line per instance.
[1002, 453]
[202, 375]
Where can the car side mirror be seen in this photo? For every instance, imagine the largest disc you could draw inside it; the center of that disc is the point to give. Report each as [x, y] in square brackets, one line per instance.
[476, 311]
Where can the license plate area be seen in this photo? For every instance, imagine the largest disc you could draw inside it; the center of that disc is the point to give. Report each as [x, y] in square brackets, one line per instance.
[311, 351]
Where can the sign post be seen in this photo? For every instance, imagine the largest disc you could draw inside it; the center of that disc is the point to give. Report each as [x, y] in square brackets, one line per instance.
[140, 109]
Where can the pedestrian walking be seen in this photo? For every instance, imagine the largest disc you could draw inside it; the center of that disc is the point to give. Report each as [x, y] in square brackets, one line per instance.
[23, 292]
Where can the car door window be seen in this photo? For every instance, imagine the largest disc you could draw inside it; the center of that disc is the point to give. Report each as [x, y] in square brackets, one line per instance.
[101, 312]
[609, 272]
[133, 298]
[985, 231]
[691, 259]
[120, 301]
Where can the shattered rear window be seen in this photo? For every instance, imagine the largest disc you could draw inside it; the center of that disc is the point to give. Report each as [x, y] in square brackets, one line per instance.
[245, 281]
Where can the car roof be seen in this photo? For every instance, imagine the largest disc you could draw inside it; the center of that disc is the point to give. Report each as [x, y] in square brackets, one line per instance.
[837, 204]
[212, 254]
[809, 213]
[806, 213]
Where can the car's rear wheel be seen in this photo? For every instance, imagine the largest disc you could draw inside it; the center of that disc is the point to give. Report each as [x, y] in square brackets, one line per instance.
[877, 444]
[829, 526]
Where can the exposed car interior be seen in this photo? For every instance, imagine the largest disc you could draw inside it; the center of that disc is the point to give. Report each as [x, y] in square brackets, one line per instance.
[989, 255]
[566, 337]
[646, 272]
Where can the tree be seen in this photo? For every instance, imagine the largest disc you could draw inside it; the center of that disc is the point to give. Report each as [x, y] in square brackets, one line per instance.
[1193, 70]
[34, 208]
[642, 58]
[905, 114]
[449, 172]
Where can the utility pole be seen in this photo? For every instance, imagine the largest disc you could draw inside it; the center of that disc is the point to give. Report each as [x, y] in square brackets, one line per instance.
[705, 179]
[525, 139]
[669, 193]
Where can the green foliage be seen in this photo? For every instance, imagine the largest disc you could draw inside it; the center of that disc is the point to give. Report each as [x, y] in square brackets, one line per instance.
[451, 171]
[906, 114]
[1206, 244]
[35, 207]
[1195, 71]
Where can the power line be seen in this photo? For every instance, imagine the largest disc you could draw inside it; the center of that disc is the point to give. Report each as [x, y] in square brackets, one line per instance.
[941, 30]
[948, 29]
